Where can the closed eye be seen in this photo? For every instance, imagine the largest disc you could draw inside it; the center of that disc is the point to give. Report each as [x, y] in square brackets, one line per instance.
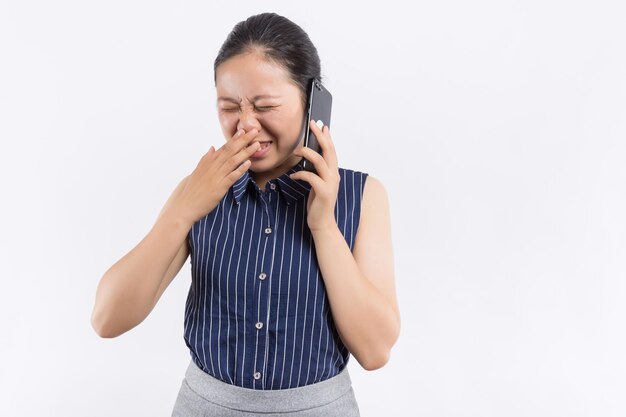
[266, 108]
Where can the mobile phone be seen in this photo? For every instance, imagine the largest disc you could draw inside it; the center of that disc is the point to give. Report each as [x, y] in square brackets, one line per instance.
[319, 105]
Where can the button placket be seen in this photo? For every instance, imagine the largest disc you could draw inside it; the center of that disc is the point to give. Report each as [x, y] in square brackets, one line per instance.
[269, 202]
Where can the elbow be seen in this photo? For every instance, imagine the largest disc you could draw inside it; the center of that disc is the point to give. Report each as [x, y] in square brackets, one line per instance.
[375, 362]
[108, 330]
[99, 326]
[110, 318]
[380, 357]
[105, 333]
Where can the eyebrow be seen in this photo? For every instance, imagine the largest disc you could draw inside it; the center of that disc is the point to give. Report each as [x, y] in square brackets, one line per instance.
[222, 98]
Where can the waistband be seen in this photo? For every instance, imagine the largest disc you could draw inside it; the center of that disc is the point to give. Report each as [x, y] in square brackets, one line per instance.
[291, 399]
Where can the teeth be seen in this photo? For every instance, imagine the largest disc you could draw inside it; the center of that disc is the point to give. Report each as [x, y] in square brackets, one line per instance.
[265, 145]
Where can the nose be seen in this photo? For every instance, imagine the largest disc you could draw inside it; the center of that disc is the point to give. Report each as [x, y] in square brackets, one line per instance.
[248, 120]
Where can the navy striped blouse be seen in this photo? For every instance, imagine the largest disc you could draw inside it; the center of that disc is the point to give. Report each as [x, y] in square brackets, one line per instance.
[257, 315]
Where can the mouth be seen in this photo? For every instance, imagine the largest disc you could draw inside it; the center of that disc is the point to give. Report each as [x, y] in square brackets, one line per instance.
[262, 150]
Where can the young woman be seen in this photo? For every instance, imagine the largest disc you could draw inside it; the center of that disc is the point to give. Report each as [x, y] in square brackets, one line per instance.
[292, 272]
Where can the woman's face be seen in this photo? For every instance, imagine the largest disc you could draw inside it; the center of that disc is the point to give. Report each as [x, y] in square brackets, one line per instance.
[253, 93]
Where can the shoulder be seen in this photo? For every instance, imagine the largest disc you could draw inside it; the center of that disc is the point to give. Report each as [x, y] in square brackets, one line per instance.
[374, 192]
[345, 171]
[353, 176]
[374, 186]
[371, 183]
[375, 196]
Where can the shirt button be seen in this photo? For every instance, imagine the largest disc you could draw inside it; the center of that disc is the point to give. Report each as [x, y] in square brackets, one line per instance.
[259, 325]
[272, 186]
[262, 275]
[257, 375]
[268, 230]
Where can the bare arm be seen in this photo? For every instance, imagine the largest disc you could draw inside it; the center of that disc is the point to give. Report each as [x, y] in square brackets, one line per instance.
[361, 284]
[130, 288]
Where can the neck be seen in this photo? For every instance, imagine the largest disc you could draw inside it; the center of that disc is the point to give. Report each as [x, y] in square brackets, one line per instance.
[261, 178]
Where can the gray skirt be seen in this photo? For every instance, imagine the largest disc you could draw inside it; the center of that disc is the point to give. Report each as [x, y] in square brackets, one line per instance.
[202, 395]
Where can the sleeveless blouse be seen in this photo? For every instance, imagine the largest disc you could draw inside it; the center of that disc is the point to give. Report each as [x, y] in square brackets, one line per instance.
[257, 314]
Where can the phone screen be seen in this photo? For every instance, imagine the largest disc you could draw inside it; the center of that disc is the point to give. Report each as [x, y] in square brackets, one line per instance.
[319, 108]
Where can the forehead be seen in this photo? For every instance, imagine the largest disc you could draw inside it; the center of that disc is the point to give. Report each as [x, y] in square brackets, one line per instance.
[251, 75]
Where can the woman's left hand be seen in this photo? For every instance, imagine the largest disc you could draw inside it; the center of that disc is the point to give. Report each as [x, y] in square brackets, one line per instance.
[325, 184]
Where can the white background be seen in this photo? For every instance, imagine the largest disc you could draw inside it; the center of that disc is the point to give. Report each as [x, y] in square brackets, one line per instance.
[497, 127]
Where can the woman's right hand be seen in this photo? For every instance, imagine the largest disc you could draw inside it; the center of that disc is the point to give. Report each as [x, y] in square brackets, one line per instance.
[216, 172]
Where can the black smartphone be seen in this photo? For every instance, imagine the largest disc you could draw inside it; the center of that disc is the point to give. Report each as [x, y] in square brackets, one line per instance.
[320, 102]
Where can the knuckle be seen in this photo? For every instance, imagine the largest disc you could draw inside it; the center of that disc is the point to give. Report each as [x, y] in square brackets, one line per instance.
[233, 162]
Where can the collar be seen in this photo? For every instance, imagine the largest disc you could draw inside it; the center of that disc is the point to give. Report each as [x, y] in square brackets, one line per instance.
[291, 189]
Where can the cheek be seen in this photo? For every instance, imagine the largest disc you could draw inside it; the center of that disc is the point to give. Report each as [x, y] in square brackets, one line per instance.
[227, 119]
[286, 122]
[290, 125]
[228, 124]
[275, 123]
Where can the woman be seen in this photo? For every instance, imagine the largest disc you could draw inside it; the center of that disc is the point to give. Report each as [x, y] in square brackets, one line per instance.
[292, 271]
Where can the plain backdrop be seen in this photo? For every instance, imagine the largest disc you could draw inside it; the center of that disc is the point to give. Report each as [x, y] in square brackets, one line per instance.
[497, 127]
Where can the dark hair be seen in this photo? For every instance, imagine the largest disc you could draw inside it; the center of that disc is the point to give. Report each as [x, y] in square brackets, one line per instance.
[280, 41]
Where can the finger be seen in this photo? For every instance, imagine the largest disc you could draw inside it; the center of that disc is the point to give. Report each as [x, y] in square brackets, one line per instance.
[210, 152]
[248, 136]
[230, 145]
[238, 133]
[316, 159]
[332, 152]
[239, 142]
[243, 167]
[253, 148]
[316, 182]
[241, 137]
[326, 145]
[319, 135]
[245, 154]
